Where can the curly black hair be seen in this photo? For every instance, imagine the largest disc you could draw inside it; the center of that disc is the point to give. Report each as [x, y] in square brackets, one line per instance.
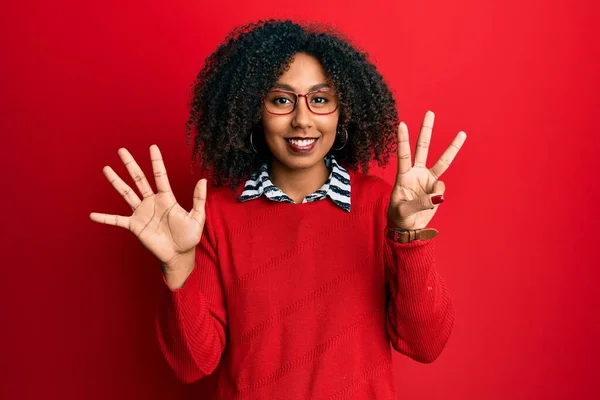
[227, 101]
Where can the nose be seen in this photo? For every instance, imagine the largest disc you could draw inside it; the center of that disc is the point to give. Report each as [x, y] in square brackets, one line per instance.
[302, 115]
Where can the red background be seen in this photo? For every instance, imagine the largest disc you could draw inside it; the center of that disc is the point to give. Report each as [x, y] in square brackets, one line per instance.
[517, 245]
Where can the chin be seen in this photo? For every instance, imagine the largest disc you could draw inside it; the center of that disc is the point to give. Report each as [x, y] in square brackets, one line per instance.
[306, 163]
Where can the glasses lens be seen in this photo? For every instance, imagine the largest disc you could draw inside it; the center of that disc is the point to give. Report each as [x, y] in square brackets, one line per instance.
[322, 102]
[280, 102]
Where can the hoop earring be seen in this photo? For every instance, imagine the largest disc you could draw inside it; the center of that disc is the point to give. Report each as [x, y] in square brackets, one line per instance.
[345, 141]
[251, 143]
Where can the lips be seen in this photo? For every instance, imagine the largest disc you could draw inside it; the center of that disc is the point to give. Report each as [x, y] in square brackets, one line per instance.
[301, 142]
[301, 145]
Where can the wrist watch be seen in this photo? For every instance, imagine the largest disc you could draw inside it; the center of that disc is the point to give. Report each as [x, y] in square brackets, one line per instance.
[407, 236]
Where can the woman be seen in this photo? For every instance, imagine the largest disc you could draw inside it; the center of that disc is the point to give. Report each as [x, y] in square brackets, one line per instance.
[296, 273]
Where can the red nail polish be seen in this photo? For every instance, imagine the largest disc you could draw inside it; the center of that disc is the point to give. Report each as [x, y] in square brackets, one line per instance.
[437, 199]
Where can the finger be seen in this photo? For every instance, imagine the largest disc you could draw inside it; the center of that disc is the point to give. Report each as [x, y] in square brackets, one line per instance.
[448, 156]
[197, 212]
[403, 150]
[136, 173]
[160, 172]
[200, 195]
[424, 140]
[120, 186]
[110, 219]
[439, 187]
[423, 202]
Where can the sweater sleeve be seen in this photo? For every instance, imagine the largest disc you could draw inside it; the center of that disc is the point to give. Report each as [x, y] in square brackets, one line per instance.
[191, 321]
[420, 313]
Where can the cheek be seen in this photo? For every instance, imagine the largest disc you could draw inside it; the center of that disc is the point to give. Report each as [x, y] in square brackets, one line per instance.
[328, 128]
[275, 127]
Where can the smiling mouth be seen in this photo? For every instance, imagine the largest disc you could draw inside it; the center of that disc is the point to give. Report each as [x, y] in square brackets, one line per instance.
[300, 145]
[301, 142]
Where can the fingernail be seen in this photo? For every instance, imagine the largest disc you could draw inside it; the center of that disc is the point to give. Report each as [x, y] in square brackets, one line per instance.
[437, 199]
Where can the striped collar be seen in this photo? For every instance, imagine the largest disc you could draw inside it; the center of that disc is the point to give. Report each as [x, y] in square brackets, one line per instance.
[337, 186]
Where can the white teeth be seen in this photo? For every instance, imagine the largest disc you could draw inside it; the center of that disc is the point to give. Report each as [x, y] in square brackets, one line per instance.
[302, 143]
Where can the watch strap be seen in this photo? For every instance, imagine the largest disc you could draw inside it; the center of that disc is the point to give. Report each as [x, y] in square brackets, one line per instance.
[407, 235]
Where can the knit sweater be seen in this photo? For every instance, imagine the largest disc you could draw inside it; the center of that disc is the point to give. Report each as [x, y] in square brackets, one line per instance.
[304, 301]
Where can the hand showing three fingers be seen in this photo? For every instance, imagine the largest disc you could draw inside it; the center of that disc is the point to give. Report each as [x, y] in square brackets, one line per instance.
[161, 224]
[412, 203]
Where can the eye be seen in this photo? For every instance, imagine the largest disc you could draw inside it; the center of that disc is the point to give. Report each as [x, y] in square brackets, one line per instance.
[320, 100]
[281, 100]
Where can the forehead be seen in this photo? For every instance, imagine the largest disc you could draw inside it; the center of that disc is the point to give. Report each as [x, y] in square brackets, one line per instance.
[305, 71]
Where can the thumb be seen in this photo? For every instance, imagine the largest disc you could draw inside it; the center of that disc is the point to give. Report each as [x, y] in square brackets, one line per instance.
[436, 197]
[428, 201]
[199, 197]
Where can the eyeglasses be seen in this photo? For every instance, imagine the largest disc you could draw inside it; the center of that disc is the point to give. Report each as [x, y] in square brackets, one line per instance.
[283, 102]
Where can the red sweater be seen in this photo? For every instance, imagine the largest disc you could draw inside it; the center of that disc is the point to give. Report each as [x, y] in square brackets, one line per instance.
[304, 301]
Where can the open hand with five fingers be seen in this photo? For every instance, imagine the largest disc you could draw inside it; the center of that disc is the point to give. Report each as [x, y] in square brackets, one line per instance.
[162, 225]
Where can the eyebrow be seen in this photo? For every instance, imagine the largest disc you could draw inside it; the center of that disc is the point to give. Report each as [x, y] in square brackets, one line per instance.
[285, 86]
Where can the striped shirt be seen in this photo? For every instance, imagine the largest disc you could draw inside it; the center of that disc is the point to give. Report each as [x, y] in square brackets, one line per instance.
[336, 188]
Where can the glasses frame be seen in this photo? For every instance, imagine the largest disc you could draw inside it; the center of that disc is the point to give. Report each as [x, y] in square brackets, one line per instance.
[298, 95]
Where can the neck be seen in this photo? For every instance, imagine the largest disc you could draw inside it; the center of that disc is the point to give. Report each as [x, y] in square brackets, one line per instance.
[298, 183]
